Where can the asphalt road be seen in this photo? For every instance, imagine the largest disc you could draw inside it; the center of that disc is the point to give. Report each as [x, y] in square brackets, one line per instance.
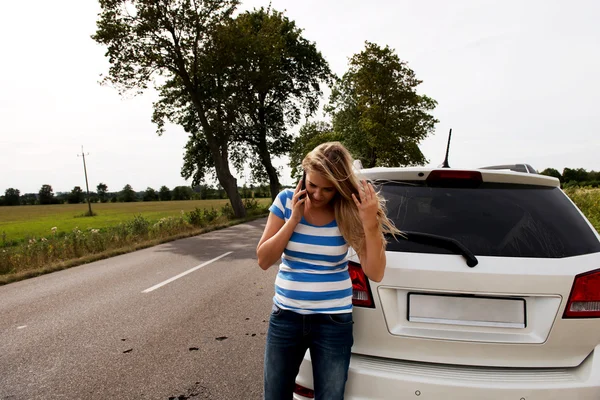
[108, 330]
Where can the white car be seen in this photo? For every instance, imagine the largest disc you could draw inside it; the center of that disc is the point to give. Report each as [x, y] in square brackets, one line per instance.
[495, 293]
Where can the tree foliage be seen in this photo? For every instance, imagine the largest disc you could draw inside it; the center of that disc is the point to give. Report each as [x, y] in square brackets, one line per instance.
[12, 197]
[310, 136]
[275, 74]
[102, 190]
[128, 195]
[168, 43]
[164, 194]
[378, 112]
[76, 196]
[46, 195]
[552, 172]
[150, 195]
[182, 193]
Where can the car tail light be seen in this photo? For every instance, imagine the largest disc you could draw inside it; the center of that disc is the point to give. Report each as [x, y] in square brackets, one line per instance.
[443, 174]
[304, 392]
[361, 291]
[584, 301]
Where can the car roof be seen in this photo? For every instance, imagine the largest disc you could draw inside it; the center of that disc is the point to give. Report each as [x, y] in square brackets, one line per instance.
[488, 175]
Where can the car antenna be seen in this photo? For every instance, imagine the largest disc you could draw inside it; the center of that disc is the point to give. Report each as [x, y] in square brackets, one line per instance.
[445, 164]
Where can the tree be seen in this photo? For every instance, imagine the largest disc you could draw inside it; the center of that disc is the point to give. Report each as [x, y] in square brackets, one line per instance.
[182, 193]
[46, 195]
[76, 196]
[28, 199]
[164, 194]
[272, 75]
[147, 39]
[12, 197]
[376, 109]
[577, 175]
[150, 195]
[552, 172]
[128, 194]
[102, 192]
[278, 74]
[310, 136]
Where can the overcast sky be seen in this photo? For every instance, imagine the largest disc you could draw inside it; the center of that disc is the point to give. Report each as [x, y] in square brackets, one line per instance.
[516, 80]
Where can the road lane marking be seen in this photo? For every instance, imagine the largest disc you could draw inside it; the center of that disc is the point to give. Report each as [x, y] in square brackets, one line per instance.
[21, 327]
[185, 273]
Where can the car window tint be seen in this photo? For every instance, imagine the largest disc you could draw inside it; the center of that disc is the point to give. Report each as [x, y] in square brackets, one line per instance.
[491, 220]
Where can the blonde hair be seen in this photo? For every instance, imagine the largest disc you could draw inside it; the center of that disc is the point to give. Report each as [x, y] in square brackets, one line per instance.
[334, 162]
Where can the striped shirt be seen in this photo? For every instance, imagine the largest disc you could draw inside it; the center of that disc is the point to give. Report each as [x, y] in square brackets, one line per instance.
[313, 275]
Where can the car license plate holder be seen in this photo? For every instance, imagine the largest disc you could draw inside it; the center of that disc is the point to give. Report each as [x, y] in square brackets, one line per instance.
[467, 310]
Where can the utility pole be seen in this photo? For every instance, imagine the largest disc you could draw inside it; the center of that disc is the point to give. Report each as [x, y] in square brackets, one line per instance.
[87, 187]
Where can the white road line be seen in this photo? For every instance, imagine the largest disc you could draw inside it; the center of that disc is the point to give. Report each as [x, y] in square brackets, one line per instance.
[185, 273]
[21, 327]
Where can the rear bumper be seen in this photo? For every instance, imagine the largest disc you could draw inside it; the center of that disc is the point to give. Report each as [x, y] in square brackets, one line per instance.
[379, 378]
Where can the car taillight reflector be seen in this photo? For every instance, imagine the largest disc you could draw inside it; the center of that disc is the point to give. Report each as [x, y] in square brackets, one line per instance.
[584, 301]
[361, 291]
[442, 174]
[304, 392]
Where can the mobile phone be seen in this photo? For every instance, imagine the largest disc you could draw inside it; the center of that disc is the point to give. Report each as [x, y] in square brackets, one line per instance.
[303, 185]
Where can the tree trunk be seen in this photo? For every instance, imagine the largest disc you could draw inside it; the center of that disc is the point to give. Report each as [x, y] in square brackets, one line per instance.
[265, 159]
[228, 182]
[263, 150]
[220, 155]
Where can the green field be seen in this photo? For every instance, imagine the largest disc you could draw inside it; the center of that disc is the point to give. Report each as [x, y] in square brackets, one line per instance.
[22, 222]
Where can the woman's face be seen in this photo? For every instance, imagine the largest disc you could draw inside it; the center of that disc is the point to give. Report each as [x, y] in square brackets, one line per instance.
[320, 190]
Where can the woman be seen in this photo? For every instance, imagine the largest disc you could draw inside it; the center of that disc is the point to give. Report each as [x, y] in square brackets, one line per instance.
[311, 230]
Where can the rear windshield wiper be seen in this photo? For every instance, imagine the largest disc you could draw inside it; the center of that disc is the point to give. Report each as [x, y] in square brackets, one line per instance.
[443, 242]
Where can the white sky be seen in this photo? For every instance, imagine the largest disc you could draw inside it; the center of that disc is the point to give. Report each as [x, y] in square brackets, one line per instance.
[516, 80]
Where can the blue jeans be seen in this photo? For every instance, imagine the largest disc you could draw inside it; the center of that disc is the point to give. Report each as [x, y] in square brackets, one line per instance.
[329, 338]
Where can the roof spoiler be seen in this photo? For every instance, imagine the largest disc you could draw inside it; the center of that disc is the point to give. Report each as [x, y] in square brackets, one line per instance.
[525, 168]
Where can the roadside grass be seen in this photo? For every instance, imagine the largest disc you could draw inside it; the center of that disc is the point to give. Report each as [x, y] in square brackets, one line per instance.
[60, 249]
[588, 201]
[21, 223]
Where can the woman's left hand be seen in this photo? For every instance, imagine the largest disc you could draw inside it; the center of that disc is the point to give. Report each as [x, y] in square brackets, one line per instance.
[368, 205]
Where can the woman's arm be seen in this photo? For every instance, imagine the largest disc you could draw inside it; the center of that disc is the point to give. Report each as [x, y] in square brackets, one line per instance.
[278, 232]
[276, 236]
[372, 254]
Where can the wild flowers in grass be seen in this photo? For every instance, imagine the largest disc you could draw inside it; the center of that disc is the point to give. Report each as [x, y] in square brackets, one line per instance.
[59, 246]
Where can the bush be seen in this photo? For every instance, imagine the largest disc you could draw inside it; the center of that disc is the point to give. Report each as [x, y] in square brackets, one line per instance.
[227, 211]
[211, 215]
[139, 226]
[196, 217]
[250, 204]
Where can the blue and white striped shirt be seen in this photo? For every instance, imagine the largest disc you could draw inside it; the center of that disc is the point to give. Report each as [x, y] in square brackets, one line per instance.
[313, 275]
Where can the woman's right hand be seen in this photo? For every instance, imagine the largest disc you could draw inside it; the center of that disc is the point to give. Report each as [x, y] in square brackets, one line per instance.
[298, 204]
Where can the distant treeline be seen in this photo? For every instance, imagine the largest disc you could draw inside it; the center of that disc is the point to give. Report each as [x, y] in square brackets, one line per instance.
[574, 177]
[46, 195]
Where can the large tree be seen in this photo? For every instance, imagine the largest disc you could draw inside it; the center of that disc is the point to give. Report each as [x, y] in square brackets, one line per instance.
[76, 196]
[276, 75]
[165, 42]
[552, 172]
[279, 81]
[150, 195]
[376, 109]
[164, 194]
[128, 195]
[46, 195]
[12, 197]
[102, 190]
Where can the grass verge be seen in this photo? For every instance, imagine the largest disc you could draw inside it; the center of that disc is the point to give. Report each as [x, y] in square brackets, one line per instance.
[61, 250]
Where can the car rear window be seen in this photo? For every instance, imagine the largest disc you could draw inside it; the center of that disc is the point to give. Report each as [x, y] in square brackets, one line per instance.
[491, 219]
